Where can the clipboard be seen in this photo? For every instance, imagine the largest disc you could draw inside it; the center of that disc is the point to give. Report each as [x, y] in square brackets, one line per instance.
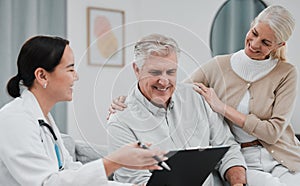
[188, 167]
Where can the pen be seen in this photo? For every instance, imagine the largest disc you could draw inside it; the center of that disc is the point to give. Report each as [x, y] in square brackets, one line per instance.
[160, 162]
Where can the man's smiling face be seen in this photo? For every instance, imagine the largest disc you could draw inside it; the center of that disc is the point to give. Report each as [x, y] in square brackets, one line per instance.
[157, 78]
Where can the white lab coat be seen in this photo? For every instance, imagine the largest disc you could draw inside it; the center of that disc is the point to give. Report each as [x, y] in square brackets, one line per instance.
[27, 155]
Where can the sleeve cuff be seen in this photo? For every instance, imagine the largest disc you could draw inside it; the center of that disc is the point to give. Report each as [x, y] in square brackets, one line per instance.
[250, 123]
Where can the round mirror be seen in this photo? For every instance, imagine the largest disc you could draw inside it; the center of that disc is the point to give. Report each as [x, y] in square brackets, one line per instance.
[231, 25]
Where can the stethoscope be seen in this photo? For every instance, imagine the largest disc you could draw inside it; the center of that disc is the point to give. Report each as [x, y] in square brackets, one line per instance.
[56, 146]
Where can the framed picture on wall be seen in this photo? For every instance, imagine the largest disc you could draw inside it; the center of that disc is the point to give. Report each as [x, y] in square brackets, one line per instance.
[105, 37]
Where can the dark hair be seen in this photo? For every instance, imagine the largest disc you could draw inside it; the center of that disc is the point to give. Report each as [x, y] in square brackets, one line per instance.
[39, 51]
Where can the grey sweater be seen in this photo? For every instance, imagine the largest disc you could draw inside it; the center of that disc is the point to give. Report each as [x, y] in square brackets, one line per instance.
[187, 122]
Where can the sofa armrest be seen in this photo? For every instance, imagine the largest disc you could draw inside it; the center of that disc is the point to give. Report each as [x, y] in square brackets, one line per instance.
[69, 143]
[86, 152]
[83, 151]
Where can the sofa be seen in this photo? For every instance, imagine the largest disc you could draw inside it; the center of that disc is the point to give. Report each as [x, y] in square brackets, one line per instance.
[83, 151]
[86, 152]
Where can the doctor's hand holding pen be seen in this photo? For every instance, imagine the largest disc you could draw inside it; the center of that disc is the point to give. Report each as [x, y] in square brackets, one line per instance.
[134, 157]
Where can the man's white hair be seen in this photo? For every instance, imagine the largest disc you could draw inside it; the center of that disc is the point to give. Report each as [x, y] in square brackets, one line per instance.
[154, 45]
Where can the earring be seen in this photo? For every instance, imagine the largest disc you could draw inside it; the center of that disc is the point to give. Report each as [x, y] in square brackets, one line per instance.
[45, 85]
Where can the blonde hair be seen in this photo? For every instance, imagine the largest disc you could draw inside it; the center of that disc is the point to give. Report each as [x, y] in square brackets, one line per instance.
[155, 45]
[281, 22]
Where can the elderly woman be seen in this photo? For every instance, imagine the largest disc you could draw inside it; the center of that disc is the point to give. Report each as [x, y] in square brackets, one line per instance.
[255, 90]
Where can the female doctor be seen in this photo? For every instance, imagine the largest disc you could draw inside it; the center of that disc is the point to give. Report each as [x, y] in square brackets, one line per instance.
[32, 151]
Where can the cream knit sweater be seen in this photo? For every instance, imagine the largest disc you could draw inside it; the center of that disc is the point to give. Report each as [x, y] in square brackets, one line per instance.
[271, 105]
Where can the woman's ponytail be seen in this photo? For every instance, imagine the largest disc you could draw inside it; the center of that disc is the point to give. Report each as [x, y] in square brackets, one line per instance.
[13, 87]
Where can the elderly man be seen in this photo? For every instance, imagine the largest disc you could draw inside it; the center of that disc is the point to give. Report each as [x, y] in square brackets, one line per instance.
[168, 114]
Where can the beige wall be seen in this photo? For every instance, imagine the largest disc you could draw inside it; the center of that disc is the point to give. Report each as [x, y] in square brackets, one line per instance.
[187, 21]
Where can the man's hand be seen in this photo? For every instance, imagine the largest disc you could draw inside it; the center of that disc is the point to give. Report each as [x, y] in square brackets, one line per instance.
[236, 176]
